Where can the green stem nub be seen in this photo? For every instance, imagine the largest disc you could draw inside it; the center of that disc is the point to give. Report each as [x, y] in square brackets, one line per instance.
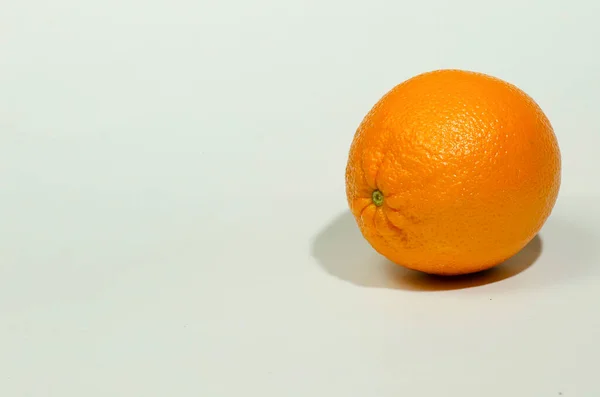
[377, 198]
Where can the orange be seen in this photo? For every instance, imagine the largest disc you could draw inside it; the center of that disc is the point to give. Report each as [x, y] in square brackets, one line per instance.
[452, 172]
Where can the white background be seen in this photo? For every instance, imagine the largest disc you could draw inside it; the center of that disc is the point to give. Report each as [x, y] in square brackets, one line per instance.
[172, 211]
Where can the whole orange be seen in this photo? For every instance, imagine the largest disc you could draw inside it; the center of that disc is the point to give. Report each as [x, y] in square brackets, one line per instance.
[452, 172]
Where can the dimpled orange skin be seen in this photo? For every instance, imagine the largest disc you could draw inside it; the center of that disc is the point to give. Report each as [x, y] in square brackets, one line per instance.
[452, 172]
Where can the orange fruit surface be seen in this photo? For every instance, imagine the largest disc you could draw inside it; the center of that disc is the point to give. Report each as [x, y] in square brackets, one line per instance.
[452, 172]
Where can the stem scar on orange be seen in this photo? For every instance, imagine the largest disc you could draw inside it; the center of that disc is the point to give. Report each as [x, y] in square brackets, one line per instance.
[452, 172]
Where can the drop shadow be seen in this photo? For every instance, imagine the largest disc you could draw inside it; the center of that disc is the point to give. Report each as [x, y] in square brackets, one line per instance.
[341, 251]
